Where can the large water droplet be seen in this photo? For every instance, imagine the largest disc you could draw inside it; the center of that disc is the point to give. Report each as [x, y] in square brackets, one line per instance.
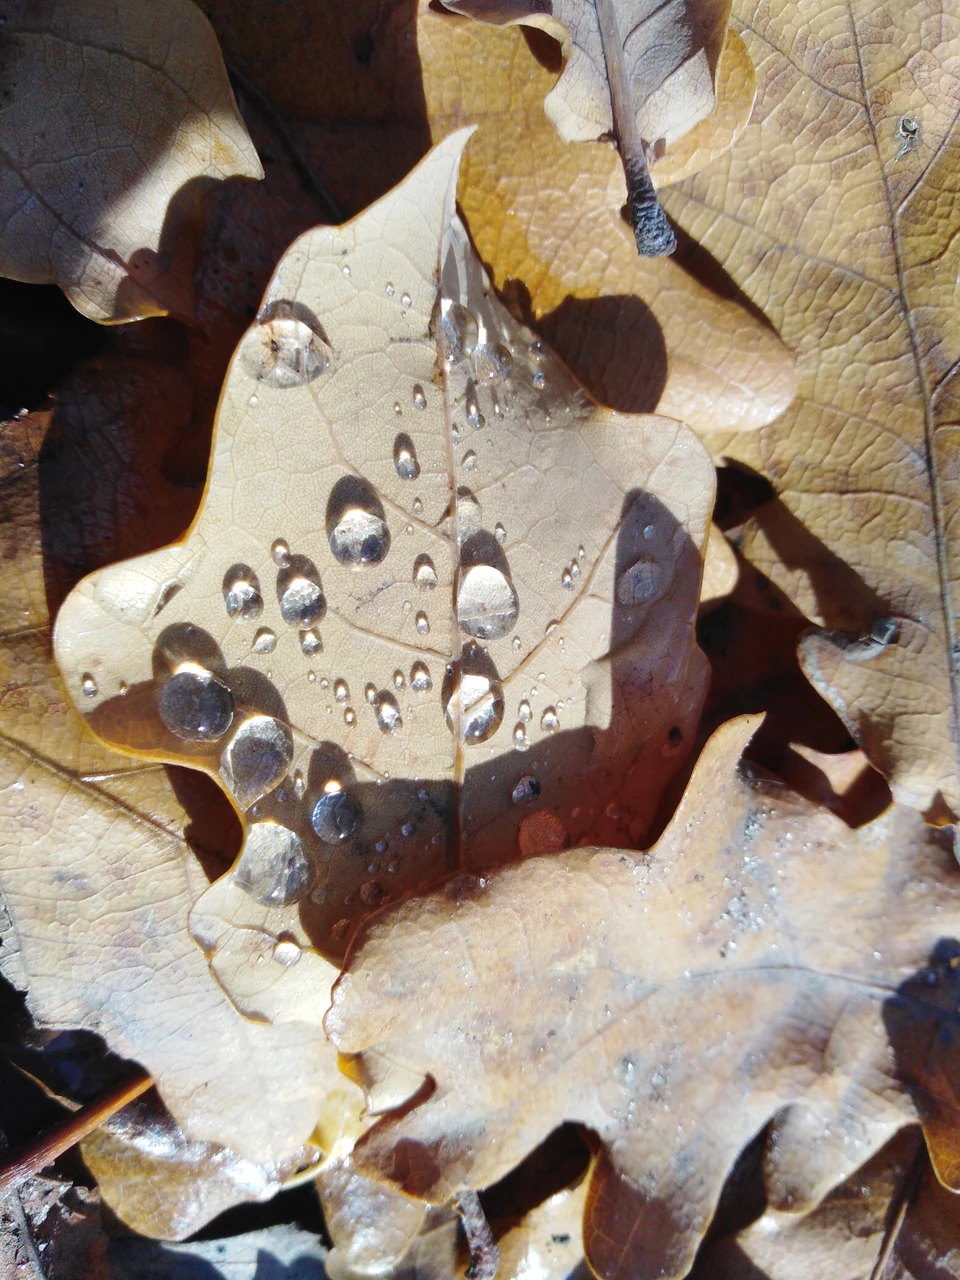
[420, 677]
[196, 706]
[284, 351]
[336, 816]
[301, 600]
[388, 714]
[359, 538]
[423, 624]
[492, 362]
[405, 458]
[456, 332]
[477, 703]
[273, 867]
[549, 721]
[487, 604]
[256, 759]
[265, 641]
[241, 593]
[639, 583]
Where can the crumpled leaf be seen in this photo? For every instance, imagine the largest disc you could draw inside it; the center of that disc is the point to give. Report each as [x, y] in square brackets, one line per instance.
[116, 119]
[674, 1002]
[849, 244]
[386, 683]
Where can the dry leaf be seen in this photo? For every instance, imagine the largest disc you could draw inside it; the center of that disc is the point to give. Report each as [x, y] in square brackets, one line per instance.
[116, 119]
[432, 592]
[837, 214]
[674, 1002]
[720, 571]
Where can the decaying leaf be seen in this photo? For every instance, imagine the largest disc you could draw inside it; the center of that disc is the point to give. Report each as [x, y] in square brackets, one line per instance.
[639, 69]
[683, 999]
[433, 594]
[116, 119]
[848, 241]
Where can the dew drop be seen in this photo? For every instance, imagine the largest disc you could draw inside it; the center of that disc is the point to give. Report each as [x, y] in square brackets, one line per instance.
[423, 624]
[89, 686]
[370, 693]
[122, 689]
[575, 569]
[388, 714]
[524, 712]
[324, 683]
[273, 867]
[420, 677]
[469, 460]
[299, 786]
[406, 300]
[549, 721]
[196, 706]
[477, 704]
[492, 362]
[349, 716]
[310, 642]
[419, 399]
[405, 458]
[283, 351]
[389, 290]
[527, 789]
[424, 574]
[500, 533]
[516, 644]
[286, 951]
[265, 641]
[487, 604]
[566, 580]
[456, 333]
[475, 418]
[340, 690]
[280, 552]
[359, 538]
[396, 408]
[346, 272]
[581, 552]
[650, 532]
[336, 816]
[469, 514]
[407, 829]
[256, 759]
[538, 380]
[399, 680]
[241, 593]
[301, 600]
[639, 583]
[312, 676]
[520, 738]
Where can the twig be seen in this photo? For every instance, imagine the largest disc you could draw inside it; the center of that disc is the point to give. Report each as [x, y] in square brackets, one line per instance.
[27, 1160]
[653, 233]
[484, 1254]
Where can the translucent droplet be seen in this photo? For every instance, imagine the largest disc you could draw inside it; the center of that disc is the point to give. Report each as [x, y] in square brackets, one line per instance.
[469, 460]
[256, 759]
[423, 624]
[475, 418]
[265, 641]
[346, 272]
[575, 569]
[527, 789]
[516, 644]
[469, 514]
[311, 676]
[389, 290]
[417, 507]
[405, 458]
[286, 951]
[476, 703]
[419, 399]
[566, 580]
[301, 601]
[549, 721]
[196, 706]
[370, 693]
[89, 686]
[500, 533]
[360, 538]
[371, 894]
[280, 551]
[456, 333]
[310, 642]
[299, 786]
[406, 300]
[273, 868]
[650, 532]
[388, 714]
[538, 380]
[492, 362]
[581, 552]
[420, 677]
[241, 594]
[524, 712]
[336, 815]
[340, 690]
[407, 829]
[487, 604]
[638, 583]
[284, 352]
[520, 737]
[399, 680]
[349, 716]
[122, 689]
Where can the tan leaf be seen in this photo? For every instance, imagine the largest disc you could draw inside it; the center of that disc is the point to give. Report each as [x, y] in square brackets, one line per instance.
[116, 119]
[837, 214]
[681, 1000]
[720, 571]
[430, 584]
[547, 1243]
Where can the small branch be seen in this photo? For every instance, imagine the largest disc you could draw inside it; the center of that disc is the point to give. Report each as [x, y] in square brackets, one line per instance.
[28, 1160]
[654, 234]
[484, 1254]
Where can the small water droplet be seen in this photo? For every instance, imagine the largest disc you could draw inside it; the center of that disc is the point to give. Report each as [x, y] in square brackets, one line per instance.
[575, 569]
[419, 399]
[420, 677]
[469, 460]
[581, 552]
[516, 644]
[360, 538]
[299, 786]
[524, 711]
[456, 332]
[286, 951]
[475, 418]
[639, 583]
[423, 624]
[341, 690]
[388, 714]
[538, 380]
[405, 458]
[487, 605]
[196, 706]
[500, 533]
[527, 789]
[349, 716]
[123, 689]
[256, 759]
[650, 532]
[399, 680]
[310, 642]
[253, 402]
[454, 433]
[406, 300]
[324, 683]
[346, 271]
[424, 574]
[370, 693]
[265, 641]
[89, 686]
[396, 408]
[566, 579]
[476, 702]
[520, 737]
[280, 551]
[336, 816]
[311, 677]
[549, 721]
[241, 593]
[407, 829]
[389, 290]
[273, 867]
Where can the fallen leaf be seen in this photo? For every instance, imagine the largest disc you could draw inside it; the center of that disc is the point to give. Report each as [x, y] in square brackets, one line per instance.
[430, 583]
[720, 571]
[548, 1242]
[675, 1002]
[839, 220]
[115, 123]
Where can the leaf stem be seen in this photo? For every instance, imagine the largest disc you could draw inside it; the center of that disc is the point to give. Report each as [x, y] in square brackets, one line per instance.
[29, 1159]
[654, 234]
[484, 1254]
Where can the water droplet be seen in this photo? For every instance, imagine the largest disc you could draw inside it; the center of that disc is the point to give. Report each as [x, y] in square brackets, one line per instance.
[336, 815]
[311, 676]
[346, 272]
[196, 706]
[581, 552]
[538, 380]
[639, 583]
[524, 712]
[406, 300]
[340, 690]
[286, 951]
[469, 460]
[370, 693]
[89, 686]
[273, 867]
[396, 408]
[359, 538]
[388, 714]
[349, 716]
[122, 689]
[389, 290]
[500, 533]
[456, 333]
[516, 644]
[324, 683]
[283, 351]
[492, 362]
[241, 593]
[371, 894]
[265, 641]
[301, 600]
[475, 418]
[310, 642]
[566, 579]
[520, 737]
[399, 680]
[575, 569]
[256, 759]
[419, 399]
[549, 721]
[405, 458]
[420, 677]
[477, 704]
[299, 786]
[381, 846]
[527, 789]
[487, 604]
[454, 433]
[423, 624]
[650, 532]
[407, 829]
[280, 552]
